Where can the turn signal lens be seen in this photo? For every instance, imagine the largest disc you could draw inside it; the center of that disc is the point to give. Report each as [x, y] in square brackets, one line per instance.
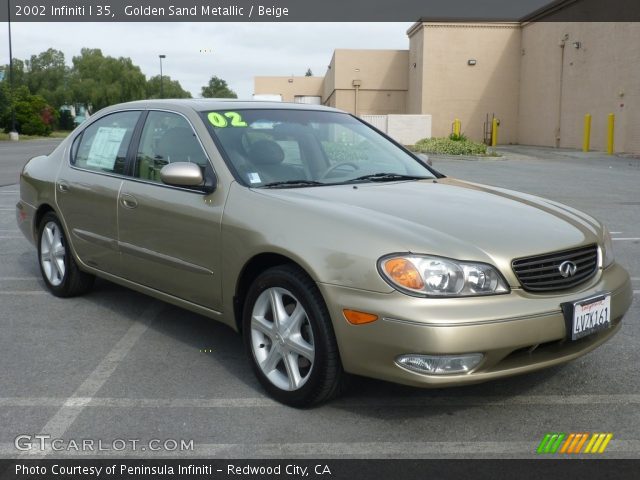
[402, 271]
[359, 318]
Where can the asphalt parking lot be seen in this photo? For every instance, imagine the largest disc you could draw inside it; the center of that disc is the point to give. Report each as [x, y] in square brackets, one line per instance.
[117, 365]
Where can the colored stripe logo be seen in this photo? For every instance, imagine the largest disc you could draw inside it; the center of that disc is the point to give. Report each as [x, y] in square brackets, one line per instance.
[572, 443]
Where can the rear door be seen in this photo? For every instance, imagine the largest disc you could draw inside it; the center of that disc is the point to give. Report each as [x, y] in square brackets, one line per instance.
[169, 237]
[87, 188]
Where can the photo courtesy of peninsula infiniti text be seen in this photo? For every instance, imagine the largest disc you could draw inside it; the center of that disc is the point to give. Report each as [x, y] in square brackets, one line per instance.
[333, 250]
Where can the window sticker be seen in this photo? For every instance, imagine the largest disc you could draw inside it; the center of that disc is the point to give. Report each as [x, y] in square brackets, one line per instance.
[105, 147]
[226, 119]
[253, 177]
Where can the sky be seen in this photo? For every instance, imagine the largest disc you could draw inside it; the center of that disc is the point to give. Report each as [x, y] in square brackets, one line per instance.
[194, 52]
[236, 52]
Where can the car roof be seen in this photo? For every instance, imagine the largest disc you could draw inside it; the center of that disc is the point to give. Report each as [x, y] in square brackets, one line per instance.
[207, 104]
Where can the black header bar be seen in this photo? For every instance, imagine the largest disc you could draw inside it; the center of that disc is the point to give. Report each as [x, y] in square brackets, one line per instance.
[319, 10]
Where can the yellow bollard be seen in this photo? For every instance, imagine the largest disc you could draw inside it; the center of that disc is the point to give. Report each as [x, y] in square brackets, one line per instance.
[587, 133]
[457, 126]
[494, 131]
[612, 120]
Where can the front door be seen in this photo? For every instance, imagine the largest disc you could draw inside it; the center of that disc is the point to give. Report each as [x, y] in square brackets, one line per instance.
[169, 237]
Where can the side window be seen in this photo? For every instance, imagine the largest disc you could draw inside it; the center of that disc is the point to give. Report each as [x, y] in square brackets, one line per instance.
[103, 145]
[167, 138]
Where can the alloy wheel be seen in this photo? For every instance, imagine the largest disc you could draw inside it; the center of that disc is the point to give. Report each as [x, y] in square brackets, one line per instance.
[282, 339]
[52, 254]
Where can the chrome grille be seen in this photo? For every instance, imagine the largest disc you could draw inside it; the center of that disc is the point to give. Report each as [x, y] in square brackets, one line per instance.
[541, 272]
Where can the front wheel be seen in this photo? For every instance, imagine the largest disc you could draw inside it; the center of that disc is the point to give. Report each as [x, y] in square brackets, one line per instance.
[59, 270]
[289, 338]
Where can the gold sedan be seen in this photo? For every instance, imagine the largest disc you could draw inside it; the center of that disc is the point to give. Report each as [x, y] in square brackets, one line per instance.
[330, 247]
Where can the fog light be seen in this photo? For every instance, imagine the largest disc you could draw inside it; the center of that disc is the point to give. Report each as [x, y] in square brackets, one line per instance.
[439, 364]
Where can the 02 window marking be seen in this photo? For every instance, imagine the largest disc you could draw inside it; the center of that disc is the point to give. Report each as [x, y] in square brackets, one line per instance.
[221, 120]
[134, 141]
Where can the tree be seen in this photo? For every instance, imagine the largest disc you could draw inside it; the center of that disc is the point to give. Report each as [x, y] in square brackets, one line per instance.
[309, 73]
[5, 106]
[47, 76]
[102, 81]
[170, 88]
[218, 88]
[19, 74]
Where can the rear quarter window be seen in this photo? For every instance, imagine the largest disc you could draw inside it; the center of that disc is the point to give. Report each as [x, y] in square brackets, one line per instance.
[103, 145]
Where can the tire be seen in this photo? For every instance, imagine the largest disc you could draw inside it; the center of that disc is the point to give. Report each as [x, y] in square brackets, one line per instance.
[294, 354]
[57, 266]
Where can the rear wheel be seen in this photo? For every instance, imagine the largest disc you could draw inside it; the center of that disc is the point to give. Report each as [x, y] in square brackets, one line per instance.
[289, 338]
[59, 270]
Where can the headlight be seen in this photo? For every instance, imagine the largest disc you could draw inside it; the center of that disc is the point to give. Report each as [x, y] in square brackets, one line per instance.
[607, 249]
[440, 277]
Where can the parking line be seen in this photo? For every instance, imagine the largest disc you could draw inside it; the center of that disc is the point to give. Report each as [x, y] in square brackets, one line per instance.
[384, 449]
[18, 279]
[74, 405]
[519, 448]
[24, 292]
[625, 239]
[261, 402]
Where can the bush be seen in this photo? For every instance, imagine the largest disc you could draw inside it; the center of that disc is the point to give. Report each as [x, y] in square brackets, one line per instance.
[458, 138]
[33, 115]
[447, 146]
[31, 118]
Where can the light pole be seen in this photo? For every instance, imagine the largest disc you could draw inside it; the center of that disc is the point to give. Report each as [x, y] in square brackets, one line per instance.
[12, 134]
[161, 57]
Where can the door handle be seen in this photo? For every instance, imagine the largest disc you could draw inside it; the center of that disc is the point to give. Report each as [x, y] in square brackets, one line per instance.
[128, 201]
[63, 187]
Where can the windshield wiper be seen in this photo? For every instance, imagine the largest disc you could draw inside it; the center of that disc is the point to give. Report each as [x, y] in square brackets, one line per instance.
[386, 177]
[292, 183]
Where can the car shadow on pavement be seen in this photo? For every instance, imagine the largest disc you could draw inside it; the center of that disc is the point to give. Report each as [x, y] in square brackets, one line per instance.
[225, 356]
[419, 402]
[222, 346]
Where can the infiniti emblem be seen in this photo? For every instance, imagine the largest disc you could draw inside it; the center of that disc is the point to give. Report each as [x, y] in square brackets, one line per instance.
[567, 269]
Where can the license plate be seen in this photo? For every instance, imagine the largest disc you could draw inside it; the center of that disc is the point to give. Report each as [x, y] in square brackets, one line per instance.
[590, 315]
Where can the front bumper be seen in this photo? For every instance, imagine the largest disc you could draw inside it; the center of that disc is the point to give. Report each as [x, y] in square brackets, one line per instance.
[517, 332]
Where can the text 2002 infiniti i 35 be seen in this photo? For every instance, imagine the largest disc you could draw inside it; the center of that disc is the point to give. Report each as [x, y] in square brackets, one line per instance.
[330, 247]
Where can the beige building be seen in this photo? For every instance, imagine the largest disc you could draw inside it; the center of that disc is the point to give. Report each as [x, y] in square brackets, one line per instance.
[538, 78]
[363, 82]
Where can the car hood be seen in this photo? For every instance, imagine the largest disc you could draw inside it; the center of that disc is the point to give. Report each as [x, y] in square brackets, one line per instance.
[450, 218]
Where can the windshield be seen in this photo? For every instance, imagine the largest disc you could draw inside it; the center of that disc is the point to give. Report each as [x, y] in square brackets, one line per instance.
[297, 148]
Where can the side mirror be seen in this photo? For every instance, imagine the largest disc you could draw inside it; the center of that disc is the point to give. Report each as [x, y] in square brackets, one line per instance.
[425, 158]
[184, 174]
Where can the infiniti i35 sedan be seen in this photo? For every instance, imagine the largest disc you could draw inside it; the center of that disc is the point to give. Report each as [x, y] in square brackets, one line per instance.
[332, 249]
